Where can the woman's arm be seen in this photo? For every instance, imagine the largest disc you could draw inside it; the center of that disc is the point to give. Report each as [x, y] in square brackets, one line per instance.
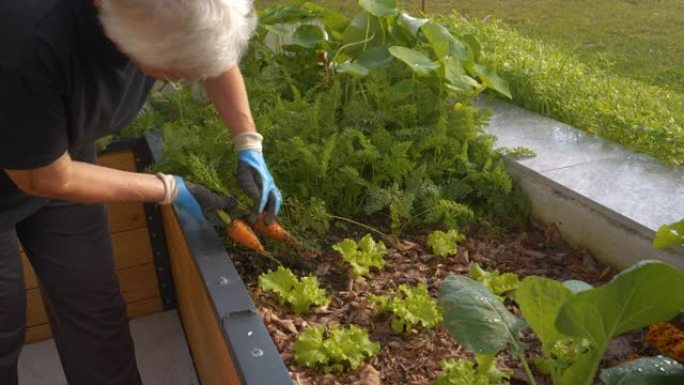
[228, 94]
[81, 182]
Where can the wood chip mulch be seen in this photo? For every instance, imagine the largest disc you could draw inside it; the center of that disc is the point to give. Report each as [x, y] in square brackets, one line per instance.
[413, 358]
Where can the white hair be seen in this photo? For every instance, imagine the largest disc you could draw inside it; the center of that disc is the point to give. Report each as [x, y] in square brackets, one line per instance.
[198, 38]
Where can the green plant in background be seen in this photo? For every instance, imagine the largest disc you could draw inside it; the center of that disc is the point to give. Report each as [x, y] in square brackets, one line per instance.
[669, 236]
[502, 285]
[574, 321]
[362, 256]
[463, 372]
[300, 293]
[410, 306]
[393, 142]
[444, 244]
[549, 80]
[342, 347]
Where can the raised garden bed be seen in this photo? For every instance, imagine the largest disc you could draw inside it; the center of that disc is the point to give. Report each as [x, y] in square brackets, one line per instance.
[373, 119]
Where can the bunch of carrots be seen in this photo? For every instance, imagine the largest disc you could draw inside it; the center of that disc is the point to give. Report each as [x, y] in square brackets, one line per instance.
[243, 234]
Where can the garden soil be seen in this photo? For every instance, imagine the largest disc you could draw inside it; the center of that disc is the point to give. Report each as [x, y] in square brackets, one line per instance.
[413, 358]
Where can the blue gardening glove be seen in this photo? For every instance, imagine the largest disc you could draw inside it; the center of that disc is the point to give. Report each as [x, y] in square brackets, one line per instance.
[200, 202]
[255, 179]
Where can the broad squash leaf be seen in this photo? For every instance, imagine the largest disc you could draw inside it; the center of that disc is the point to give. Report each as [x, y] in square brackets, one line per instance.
[352, 69]
[416, 60]
[492, 80]
[307, 36]
[410, 23]
[380, 8]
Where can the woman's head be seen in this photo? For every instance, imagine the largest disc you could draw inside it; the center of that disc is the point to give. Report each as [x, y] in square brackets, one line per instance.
[195, 38]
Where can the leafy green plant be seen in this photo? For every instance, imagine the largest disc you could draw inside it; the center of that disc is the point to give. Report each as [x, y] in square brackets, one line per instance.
[301, 294]
[646, 370]
[335, 350]
[478, 321]
[464, 372]
[390, 143]
[444, 244]
[574, 321]
[669, 236]
[500, 284]
[554, 82]
[410, 306]
[363, 255]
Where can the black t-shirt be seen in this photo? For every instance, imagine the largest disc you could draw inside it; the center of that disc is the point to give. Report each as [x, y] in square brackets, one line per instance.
[63, 84]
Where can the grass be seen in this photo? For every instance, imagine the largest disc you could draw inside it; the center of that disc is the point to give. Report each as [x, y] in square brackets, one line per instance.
[638, 39]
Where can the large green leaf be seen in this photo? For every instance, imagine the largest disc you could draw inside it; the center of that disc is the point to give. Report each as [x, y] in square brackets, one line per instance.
[645, 371]
[375, 57]
[380, 8]
[453, 69]
[492, 80]
[403, 89]
[540, 300]
[438, 37]
[334, 21]
[474, 46]
[418, 61]
[576, 286]
[476, 319]
[412, 24]
[362, 27]
[647, 293]
[354, 69]
[307, 36]
[443, 42]
[669, 236]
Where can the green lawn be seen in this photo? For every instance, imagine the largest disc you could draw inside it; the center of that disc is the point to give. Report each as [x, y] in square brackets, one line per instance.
[639, 39]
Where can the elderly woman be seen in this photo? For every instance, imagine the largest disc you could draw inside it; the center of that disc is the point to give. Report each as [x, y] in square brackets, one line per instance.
[72, 71]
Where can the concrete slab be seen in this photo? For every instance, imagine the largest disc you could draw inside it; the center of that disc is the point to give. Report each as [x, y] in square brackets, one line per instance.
[602, 196]
[161, 350]
[556, 144]
[637, 187]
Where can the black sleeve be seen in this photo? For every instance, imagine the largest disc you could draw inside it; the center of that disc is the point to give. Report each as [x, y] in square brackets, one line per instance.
[33, 123]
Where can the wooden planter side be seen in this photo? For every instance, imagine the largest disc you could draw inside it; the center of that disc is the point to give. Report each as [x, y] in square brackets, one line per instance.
[133, 257]
[210, 352]
[228, 340]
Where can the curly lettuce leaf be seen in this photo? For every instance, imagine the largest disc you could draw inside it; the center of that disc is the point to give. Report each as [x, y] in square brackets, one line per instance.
[362, 256]
[344, 347]
[300, 294]
[497, 283]
[443, 243]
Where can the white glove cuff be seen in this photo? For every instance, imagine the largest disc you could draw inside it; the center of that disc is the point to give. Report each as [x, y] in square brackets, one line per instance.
[248, 141]
[170, 188]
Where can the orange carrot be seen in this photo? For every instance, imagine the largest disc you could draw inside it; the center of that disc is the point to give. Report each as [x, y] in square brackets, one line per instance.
[242, 234]
[275, 231]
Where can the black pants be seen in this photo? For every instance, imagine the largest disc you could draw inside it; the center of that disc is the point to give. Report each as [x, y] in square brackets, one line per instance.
[70, 249]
